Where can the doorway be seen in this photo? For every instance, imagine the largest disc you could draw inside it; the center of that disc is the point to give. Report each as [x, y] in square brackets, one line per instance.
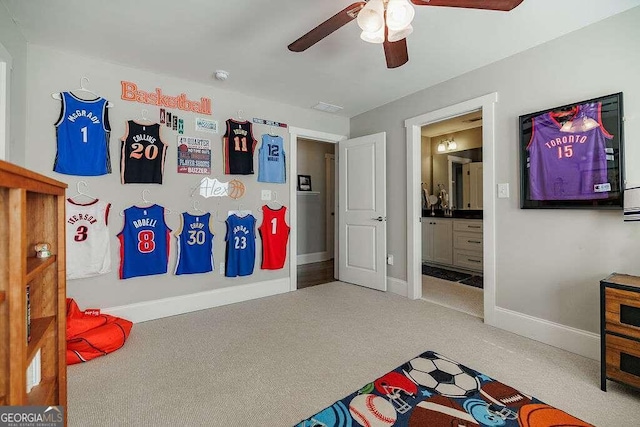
[451, 212]
[292, 160]
[485, 103]
[316, 209]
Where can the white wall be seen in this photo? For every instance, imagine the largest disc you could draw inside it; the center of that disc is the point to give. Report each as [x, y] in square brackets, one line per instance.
[312, 215]
[14, 42]
[53, 71]
[549, 262]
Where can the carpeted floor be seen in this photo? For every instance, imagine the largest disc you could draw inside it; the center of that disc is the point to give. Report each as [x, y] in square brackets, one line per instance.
[277, 360]
[453, 295]
[453, 276]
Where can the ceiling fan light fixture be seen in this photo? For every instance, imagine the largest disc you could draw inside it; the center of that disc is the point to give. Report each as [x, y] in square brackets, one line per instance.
[371, 17]
[400, 14]
[373, 37]
[395, 36]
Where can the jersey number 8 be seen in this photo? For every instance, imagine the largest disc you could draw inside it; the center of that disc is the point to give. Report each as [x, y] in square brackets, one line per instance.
[146, 243]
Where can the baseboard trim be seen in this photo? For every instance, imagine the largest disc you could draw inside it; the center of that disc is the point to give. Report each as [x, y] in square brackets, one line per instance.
[314, 257]
[165, 307]
[397, 286]
[577, 341]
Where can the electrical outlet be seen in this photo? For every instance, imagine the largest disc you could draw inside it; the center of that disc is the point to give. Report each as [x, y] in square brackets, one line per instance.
[390, 259]
[221, 270]
[266, 194]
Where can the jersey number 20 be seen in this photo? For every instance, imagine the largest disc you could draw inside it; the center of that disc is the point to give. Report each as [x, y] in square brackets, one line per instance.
[150, 153]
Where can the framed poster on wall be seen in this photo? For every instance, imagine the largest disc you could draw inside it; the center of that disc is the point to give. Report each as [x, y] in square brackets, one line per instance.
[572, 156]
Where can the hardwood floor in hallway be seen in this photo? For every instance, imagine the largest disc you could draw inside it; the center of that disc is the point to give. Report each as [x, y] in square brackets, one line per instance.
[314, 274]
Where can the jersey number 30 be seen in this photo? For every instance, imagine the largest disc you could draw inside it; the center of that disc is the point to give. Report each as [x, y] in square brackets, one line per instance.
[196, 237]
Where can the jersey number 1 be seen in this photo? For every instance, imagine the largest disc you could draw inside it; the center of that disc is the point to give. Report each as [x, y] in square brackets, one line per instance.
[84, 134]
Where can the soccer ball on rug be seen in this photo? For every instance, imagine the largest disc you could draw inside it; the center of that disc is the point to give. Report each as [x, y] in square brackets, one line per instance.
[432, 390]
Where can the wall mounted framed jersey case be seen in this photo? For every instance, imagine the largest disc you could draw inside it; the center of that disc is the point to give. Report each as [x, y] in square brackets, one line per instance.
[572, 156]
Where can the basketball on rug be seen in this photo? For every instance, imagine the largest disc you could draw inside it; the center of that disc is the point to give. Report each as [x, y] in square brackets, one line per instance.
[434, 391]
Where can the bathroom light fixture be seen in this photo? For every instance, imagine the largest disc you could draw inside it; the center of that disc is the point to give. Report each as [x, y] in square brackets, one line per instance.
[447, 145]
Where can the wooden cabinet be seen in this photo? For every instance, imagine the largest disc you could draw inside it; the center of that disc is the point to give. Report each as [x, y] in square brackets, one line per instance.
[453, 242]
[620, 330]
[437, 245]
[468, 245]
[32, 211]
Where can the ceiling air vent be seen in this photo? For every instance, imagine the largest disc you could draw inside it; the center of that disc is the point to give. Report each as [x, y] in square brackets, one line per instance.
[327, 108]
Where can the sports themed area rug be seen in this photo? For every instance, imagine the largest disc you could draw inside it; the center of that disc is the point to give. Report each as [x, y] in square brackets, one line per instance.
[434, 391]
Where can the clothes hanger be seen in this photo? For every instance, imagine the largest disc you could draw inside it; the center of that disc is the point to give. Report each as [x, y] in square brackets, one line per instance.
[240, 213]
[196, 208]
[275, 200]
[143, 116]
[272, 131]
[79, 191]
[82, 88]
[240, 118]
[167, 211]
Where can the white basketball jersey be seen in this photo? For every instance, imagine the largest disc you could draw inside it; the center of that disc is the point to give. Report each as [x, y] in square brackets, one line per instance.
[88, 247]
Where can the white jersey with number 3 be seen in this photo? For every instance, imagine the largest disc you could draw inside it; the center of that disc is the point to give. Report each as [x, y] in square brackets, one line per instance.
[88, 247]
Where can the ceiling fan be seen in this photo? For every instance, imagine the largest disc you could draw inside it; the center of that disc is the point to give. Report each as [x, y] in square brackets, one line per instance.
[389, 22]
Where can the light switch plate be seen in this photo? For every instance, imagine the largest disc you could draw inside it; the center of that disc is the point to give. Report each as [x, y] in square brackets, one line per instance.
[266, 194]
[503, 191]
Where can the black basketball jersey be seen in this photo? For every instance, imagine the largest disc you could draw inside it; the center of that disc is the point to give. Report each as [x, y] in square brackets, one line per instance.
[239, 145]
[142, 154]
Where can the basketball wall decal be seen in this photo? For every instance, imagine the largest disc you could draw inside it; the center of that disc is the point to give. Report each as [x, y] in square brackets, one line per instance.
[236, 189]
[370, 410]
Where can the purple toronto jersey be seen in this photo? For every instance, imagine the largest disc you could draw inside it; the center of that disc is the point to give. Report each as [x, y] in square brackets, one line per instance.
[568, 165]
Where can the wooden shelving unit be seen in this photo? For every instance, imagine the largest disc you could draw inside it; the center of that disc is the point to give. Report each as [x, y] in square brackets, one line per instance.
[32, 211]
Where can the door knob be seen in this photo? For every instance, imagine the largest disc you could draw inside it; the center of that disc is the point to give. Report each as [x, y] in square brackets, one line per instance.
[380, 219]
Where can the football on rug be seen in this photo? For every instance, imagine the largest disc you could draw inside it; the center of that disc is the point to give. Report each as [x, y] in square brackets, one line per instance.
[434, 391]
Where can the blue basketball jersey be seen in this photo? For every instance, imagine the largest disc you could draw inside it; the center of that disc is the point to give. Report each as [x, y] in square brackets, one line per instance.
[82, 134]
[195, 245]
[241, 246]
[144, 242]
[271, 160]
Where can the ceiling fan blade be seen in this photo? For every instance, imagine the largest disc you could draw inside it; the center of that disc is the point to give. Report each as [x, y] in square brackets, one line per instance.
[504, 5]
[332, 24]
[396, 53]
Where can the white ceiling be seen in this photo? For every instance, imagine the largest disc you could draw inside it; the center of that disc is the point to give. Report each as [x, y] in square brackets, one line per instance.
[192, 38]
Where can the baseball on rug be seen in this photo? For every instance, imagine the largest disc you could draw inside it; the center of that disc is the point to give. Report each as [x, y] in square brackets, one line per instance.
[434, 391]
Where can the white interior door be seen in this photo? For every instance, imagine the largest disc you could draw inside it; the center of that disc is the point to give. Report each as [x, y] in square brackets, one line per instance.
[363, 209]
[330, 165]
